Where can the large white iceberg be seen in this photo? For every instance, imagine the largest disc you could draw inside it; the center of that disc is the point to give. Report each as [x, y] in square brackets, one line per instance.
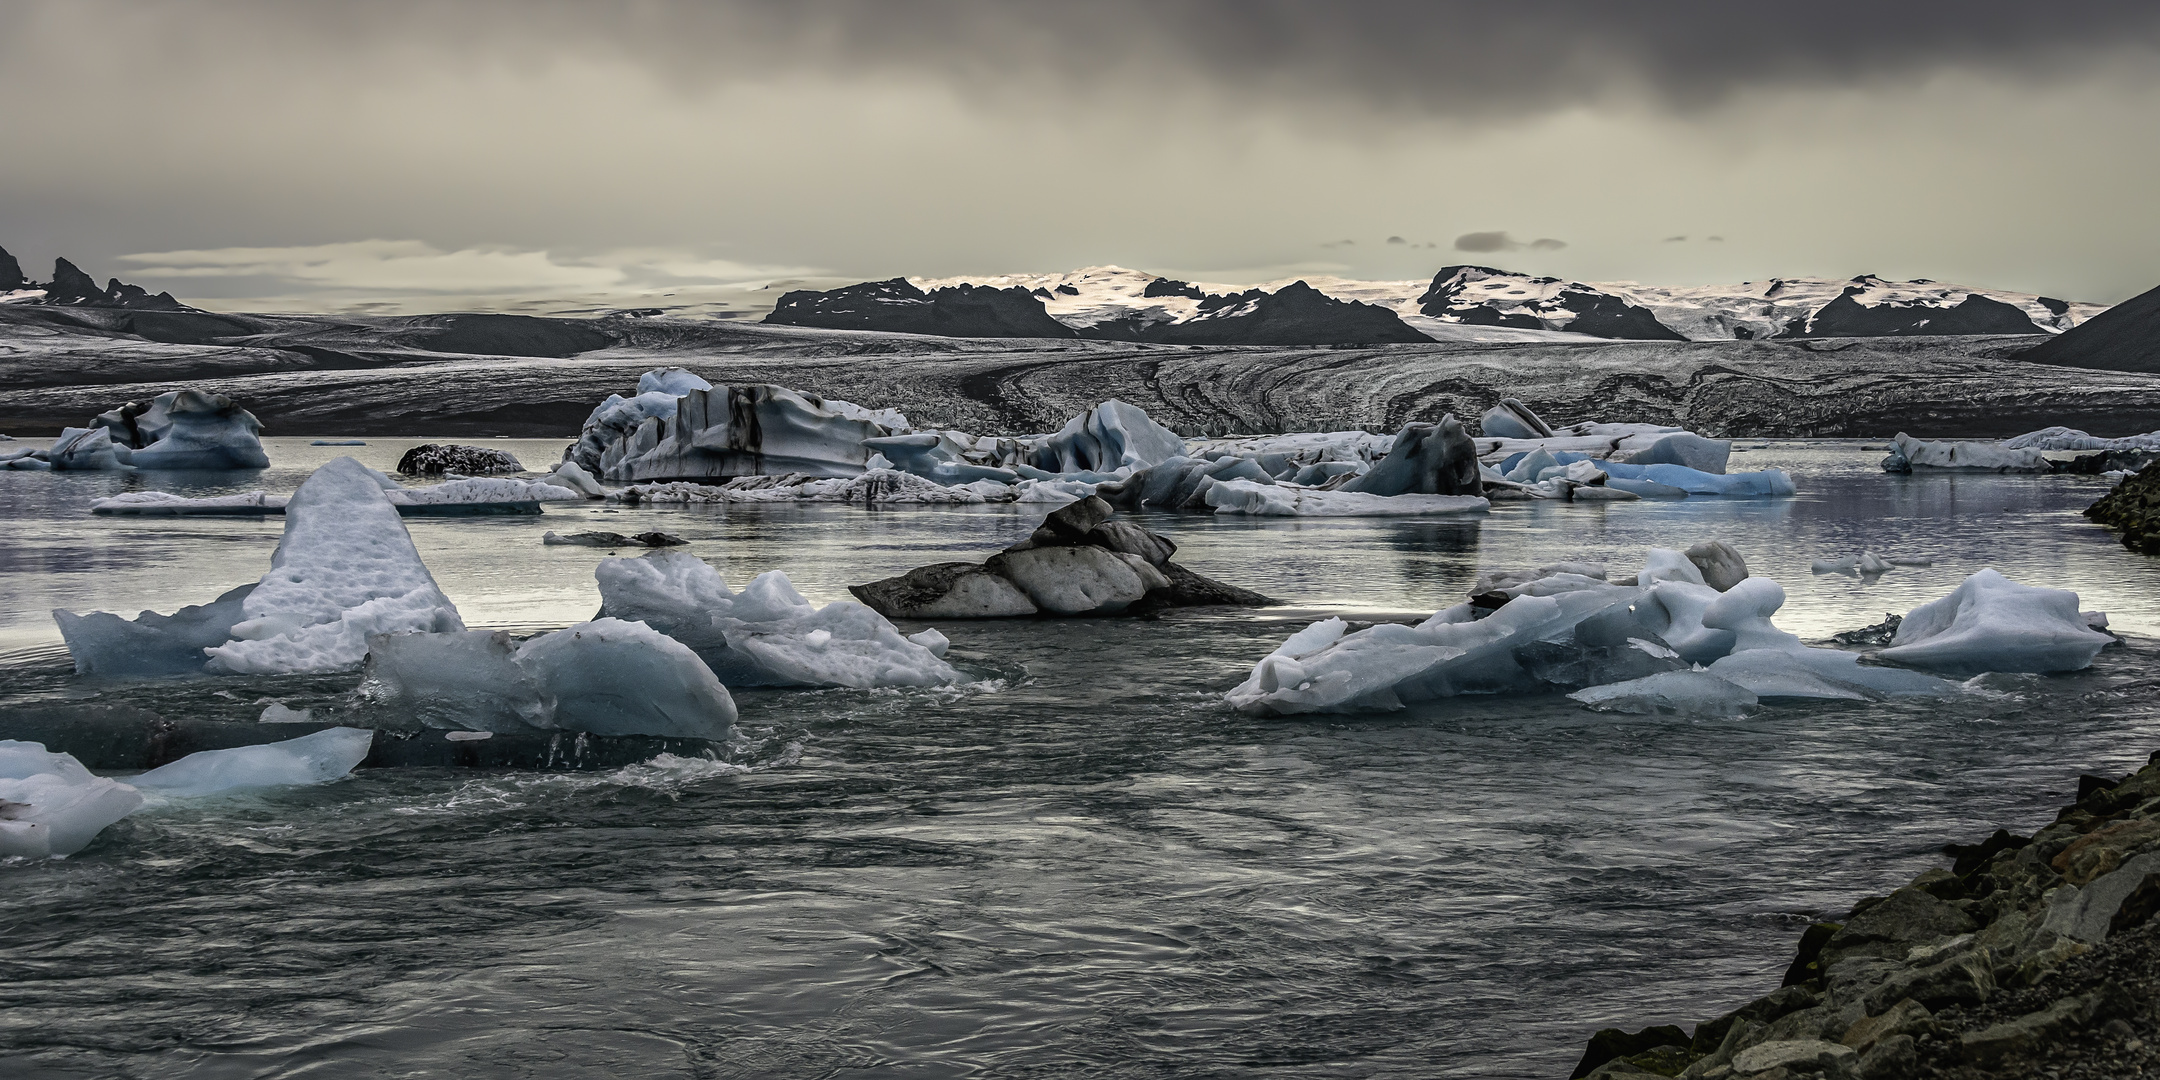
[1908, 453]
[2065, 438]
[51, 805]
[1564, 629]
[345, 569]
[317, 758]
[768, 634]
[607, 677]
[1990, 623]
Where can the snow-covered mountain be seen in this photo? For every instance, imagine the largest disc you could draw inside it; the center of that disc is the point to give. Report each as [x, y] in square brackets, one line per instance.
[1479, 303]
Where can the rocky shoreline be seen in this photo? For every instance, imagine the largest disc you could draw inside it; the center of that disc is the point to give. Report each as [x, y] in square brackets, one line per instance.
[2133, 509]
[2031, 956]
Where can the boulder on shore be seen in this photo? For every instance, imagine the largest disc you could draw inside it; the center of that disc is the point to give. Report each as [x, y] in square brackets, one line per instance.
[1080, 561]
[2134, 509]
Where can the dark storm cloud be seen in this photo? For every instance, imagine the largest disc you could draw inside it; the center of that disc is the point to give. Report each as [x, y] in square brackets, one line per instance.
[1394, 55]
[1487, 242]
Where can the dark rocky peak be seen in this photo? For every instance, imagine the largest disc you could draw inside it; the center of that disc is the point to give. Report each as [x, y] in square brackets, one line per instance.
[1068, 290]
[1574, 307]
[1847, 317]
[1450, 281]
[71, 287]
[897, 306]
[1296, 314]
[2125, 337]
[1163, 286]
[11, 275]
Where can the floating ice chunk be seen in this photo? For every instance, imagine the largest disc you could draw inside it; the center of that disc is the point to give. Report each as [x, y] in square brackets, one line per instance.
[607, 677]
[1056, 492]
[1745, 609]
[51, 805]
[317, 758]
[1109, 436]
[763, 635]
[1762, 484]
[345, 569]
[570, 475]
[1721, 565]
[1426, 459]
[941, 456]
[737, 431]
[1990, 623]
[277, 712]
[1843, 564]
[1908, 453]
[483, 491]
[2063, 438]
[1248, 497]
[189, 429]
[672, 381]
[1570, 639]
[1181, 483]
[1871, 563]
[1685, 693]
[1822, 673]
[932, 640]
[1511, 419]
[103, 643]
[87, 450]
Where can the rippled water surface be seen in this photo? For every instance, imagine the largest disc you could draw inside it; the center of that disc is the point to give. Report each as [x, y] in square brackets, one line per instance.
[1080, 864]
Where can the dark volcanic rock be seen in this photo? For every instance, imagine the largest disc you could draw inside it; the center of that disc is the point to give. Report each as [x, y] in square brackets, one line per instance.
[1296, 314]
[1080, 561]
[898, 306]
[435, 459]
[1847, 317]
[1163, 286]
[1456, 293]
[11, 275]
[2125, 337]
[70, 286]
[2134, 509]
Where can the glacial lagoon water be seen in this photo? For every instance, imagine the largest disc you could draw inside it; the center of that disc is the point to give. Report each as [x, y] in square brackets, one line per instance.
[1082, 863]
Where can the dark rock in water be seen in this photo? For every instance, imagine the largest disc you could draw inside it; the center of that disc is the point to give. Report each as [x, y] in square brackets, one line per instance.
[1484, 296]
[1878, 634]
[1847, 317]
[112, 738]
[1427, 459]
[613, 539]
[11, 275]
[2105, 461]
[899, 306]
[435, 459]
[1614, 1043]
[2125, 337]
[2133, 508]
[1078, 562]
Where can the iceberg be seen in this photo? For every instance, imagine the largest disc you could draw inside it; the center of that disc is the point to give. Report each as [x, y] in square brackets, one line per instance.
[1110, 436]
[2064, 438]
[187, 429]
[51, 805]
[1425, 459]
[470, 495]
[103, 643]
[606, 677]
[1682, 693]
[1908, 453]
[767, 635]
[1511, 419]
[345, 569]
[1180, 483]
[735, 431]
[315, 758]
[1274, 500]
[88, 450]
[672, 381]
[1990, 623]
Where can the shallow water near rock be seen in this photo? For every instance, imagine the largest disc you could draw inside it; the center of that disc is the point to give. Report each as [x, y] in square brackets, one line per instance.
[1083, 862]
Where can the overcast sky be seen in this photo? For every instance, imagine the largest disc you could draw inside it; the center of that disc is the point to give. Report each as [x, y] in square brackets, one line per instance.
[423, 154]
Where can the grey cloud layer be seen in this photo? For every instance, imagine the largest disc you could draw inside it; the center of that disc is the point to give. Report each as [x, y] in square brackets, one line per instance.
[1467, 58]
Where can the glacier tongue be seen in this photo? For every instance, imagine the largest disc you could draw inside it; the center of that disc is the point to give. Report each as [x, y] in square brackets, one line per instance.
[345, 569]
